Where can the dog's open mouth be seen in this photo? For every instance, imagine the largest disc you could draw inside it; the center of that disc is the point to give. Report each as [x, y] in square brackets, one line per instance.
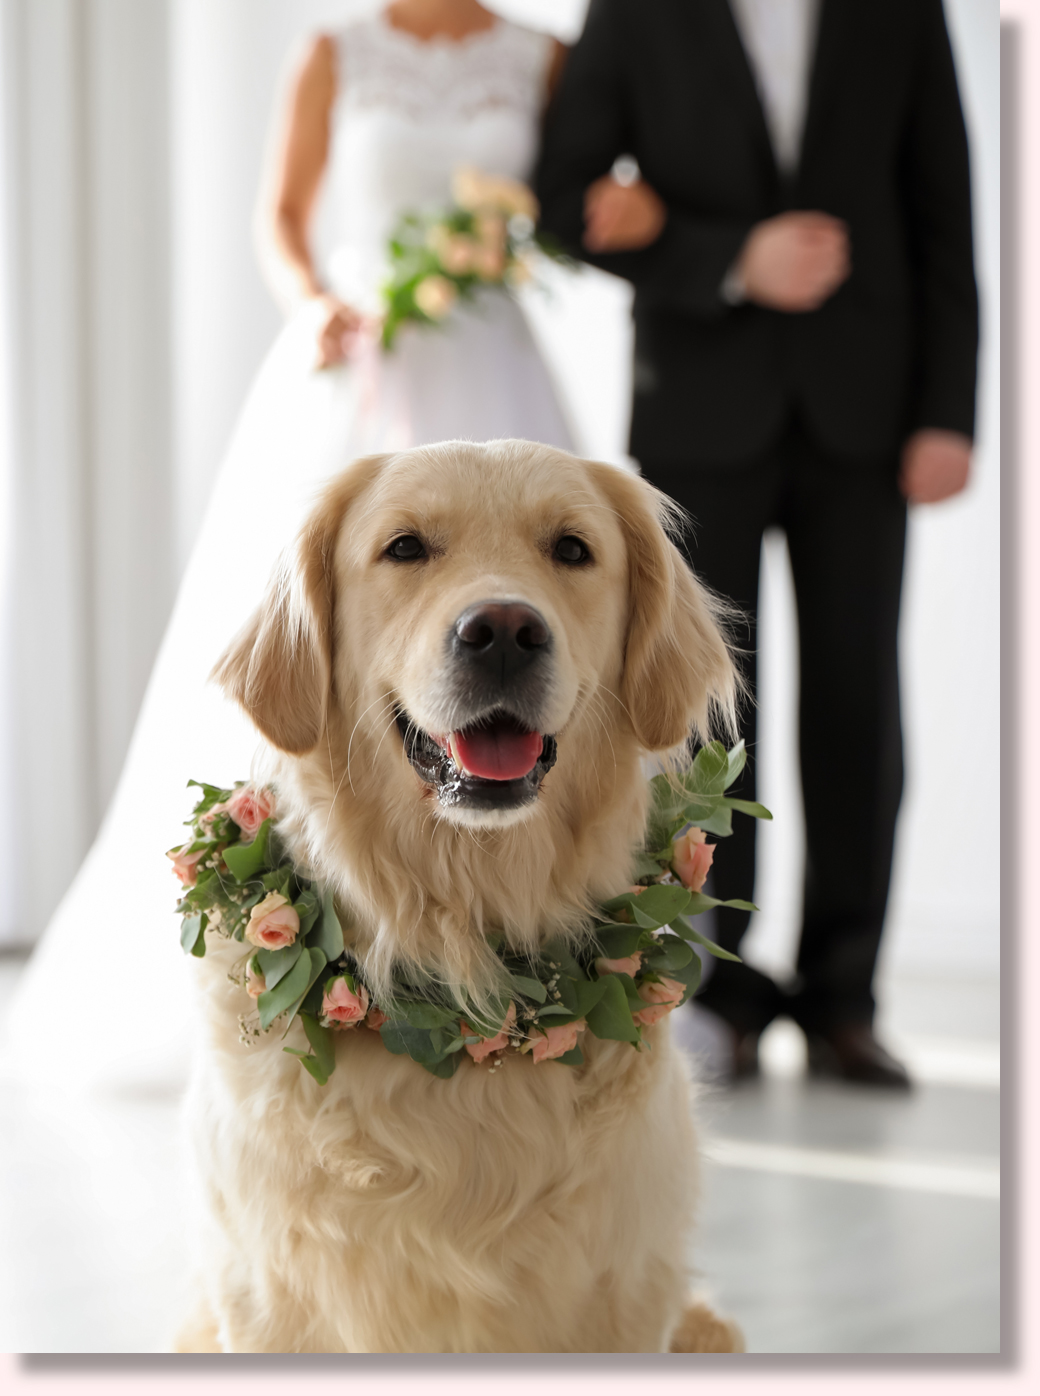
[496, 763]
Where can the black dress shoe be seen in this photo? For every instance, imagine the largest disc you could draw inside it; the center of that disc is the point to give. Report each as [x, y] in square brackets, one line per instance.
[743, 1054]
[853, 1053]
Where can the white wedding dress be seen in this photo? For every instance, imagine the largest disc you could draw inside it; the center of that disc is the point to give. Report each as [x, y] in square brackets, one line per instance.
[105, 999]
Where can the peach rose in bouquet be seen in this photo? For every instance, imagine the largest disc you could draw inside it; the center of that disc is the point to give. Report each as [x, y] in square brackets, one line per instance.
[256, 984]
[660, 997]
[628, 964]
[273, 923]
[474, 190]
[556, 1041]
[479, 1050]
[435, 295]
[343, 1006]
[249, 806]
[186, 864]
[691, 858]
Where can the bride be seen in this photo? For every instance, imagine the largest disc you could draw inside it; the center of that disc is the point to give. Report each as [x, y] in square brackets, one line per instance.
[375, 122]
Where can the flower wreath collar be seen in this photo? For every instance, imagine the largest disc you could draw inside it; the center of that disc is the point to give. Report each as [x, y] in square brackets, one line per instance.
[240, 882]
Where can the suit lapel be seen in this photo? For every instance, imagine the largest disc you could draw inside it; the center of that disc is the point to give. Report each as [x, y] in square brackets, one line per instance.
[717, 37]
[833, 31]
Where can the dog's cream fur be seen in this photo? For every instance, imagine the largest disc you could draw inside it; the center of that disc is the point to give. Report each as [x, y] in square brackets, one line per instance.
[533, 1208]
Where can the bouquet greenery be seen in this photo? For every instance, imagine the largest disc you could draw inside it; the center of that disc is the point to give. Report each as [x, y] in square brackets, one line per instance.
[636, 964]
[486, 238]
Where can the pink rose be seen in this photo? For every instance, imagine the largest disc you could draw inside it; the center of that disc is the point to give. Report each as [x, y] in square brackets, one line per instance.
[256, 984]
[479, 1050]
[342, 1006]
[558, 1040]
[630, 964]
[212, 813]
[375, 1018]
[691, 859]
[489, 263]
[273, 923]
[661, 997]
[249, 807]
[185, 864]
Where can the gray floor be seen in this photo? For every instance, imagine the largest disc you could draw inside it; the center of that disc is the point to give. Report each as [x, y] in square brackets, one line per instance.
[834, 1219]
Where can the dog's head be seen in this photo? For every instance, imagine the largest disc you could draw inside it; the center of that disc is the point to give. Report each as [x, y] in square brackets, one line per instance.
[465, 612]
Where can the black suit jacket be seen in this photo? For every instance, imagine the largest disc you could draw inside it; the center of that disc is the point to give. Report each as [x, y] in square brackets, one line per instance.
[884, 148]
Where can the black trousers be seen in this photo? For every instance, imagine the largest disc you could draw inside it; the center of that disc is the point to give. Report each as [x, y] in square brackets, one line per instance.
[845, 522]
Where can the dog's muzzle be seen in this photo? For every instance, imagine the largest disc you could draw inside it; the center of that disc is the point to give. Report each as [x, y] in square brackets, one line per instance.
[498, 677]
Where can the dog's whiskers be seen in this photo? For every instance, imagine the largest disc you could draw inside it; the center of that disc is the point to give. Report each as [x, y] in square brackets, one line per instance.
[350, 742]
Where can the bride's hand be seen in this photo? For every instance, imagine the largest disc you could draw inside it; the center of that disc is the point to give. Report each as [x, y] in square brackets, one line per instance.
[339, 325]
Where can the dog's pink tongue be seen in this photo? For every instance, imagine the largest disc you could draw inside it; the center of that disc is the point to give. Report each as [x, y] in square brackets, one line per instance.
[496, 753]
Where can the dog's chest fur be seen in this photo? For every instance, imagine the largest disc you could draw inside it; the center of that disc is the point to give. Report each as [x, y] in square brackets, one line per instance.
[393, 1211]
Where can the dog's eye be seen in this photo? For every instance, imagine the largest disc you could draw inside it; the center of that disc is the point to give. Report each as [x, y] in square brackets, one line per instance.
[571, 550]
[406, 548]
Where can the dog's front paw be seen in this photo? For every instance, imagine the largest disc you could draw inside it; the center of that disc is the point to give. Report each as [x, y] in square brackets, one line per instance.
[702, 1330]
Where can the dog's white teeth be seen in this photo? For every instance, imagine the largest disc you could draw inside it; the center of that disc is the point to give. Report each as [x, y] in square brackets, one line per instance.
[453, 752]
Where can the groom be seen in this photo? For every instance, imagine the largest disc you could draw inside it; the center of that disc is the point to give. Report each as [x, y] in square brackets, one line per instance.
[792, 205]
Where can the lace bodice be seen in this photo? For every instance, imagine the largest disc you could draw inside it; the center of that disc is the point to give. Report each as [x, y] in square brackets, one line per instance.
[407, 113]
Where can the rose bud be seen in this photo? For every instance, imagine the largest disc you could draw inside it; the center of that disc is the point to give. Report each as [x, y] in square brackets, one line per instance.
[691, 858]
[256, 984]
[185, 864]
[630, 964]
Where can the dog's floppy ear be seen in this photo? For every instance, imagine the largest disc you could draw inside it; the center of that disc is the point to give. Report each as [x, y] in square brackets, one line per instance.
[678, 673]
[279, 665]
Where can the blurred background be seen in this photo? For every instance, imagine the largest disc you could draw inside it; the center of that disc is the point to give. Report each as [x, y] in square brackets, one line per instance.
[132, 319]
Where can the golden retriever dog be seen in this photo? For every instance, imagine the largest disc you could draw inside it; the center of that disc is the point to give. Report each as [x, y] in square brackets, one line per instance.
[526, 609]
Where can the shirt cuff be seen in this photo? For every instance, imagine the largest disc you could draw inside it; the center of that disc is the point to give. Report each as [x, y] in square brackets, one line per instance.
[732, 287]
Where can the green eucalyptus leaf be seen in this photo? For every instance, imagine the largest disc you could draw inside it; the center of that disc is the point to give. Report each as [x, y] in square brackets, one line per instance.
[646, 865]
[615, 942]
[328, 935]
[736, 760]
[588, 993]
[323, 1040]
[689, 975]
[751, 807]
[709, 774]
[656, 906]
[673, 954]
[288, 991]
[572, 1058]
[428, 1015]
[557, 952]
[276, 964]
[529, 988]
[688, 933]
[403, 1039]
[611, 1017]
[445, 1068]
[246, 860]
[193, 934]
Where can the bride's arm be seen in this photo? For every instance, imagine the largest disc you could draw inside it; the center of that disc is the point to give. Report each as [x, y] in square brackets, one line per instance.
[295, 166]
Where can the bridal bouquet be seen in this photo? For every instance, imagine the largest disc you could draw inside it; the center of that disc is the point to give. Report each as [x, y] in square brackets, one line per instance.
[636, 963]
[486, 238]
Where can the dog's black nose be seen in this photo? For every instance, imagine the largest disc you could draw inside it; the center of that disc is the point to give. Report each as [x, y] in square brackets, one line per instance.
[501, 638]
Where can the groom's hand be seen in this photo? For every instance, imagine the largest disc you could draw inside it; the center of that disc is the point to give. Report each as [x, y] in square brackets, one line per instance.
[794, 262]
[622, 217]
[935, 465]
